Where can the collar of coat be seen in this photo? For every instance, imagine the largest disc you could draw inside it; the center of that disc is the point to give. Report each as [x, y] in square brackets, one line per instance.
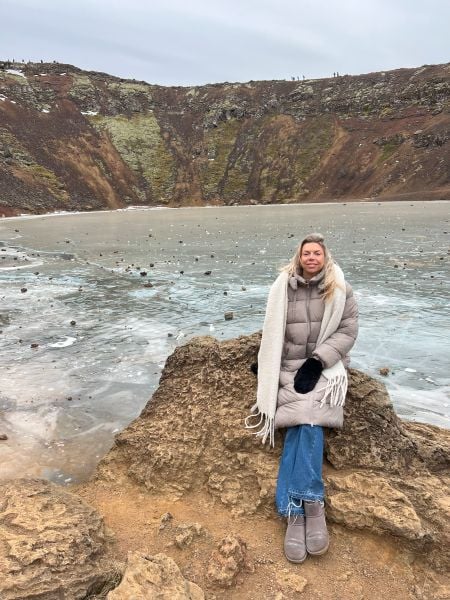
[297, 279]
[269, 356]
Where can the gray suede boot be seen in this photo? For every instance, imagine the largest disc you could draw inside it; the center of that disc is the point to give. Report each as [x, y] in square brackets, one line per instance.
[317, 539]
[294, 540]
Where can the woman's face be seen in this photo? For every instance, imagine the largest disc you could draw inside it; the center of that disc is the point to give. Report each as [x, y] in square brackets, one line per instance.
[312, 259]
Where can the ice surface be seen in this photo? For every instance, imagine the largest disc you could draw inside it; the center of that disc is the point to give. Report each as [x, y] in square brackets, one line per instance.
[67, 341]
[83, 347]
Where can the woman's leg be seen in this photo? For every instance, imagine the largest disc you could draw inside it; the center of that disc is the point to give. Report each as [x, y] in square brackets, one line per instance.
[295, 538]
[286, 469]
[302, 489]
[306, 478]
[307, 485]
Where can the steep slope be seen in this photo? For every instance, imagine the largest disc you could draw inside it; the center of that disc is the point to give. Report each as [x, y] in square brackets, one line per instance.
[77, 140]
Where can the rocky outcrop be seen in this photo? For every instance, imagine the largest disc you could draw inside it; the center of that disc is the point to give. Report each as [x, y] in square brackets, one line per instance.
[77, 140]
[387, 496]
[154, 578]
[52, 544]
[374, 438]
[190, 436]
[382, 474]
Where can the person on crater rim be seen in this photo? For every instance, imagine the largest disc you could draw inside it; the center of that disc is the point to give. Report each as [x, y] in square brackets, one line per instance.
[310, 325]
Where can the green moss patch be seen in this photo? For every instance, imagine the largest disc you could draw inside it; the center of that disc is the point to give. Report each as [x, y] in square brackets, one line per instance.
[269, 160]
[130, 88]
[82, 90]
[12, 150]
[219, 143]
[139, 141]
[291, 154]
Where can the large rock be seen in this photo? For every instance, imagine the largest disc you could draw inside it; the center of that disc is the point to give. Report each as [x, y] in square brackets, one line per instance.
[154, 578]
[414, 508]
[52, 544]
[382, 474]
[373, 437]
[363, 500]
[191, 434]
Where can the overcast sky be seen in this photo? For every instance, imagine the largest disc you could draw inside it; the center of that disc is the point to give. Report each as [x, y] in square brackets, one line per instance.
[190, 42]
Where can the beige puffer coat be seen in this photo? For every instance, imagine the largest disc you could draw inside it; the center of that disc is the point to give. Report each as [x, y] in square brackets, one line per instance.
[304, 317]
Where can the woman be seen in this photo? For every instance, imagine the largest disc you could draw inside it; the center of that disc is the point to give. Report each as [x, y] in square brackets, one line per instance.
[311, 324]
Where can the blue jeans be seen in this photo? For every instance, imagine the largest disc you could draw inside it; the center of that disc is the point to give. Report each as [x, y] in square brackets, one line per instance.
[300, 473]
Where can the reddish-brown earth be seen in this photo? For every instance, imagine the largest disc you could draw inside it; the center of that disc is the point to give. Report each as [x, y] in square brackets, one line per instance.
[77, 140]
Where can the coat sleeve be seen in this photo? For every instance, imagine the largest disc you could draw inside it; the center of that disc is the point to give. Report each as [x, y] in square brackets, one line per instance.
[339, 344]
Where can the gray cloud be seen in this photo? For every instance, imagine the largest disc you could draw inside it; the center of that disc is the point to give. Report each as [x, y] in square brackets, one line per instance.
[179, 43]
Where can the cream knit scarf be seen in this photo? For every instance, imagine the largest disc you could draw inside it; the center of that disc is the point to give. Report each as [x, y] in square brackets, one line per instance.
[269, 356]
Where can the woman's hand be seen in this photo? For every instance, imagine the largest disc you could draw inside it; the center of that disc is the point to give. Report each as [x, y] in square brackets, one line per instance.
[307, 376]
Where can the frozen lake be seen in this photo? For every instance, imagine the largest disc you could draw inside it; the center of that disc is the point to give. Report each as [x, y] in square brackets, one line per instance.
[101, 336]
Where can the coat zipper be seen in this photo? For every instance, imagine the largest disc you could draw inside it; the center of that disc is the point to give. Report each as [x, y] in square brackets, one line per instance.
[308, 294]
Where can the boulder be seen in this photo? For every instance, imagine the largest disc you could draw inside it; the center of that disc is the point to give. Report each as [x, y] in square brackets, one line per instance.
[364, 500]
[381, 474]
[433, 445]
[52, 544]
[191, 434]
[154, 578]
[373, 437]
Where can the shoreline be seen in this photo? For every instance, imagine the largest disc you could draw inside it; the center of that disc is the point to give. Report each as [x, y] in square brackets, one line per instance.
[145, 208]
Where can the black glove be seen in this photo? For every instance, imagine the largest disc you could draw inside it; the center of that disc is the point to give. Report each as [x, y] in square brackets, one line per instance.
[254, 368]
[307, 376]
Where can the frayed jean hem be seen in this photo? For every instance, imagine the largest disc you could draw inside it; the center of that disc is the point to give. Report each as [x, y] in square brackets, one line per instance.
[295, 506]
[292, 509]
[305, 496]
[293, 513]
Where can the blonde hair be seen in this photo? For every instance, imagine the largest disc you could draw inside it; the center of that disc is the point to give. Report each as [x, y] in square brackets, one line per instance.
[293, 267]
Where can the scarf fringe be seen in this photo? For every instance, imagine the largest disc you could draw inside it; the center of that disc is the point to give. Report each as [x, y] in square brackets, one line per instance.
[335, 390]
[268, 425]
